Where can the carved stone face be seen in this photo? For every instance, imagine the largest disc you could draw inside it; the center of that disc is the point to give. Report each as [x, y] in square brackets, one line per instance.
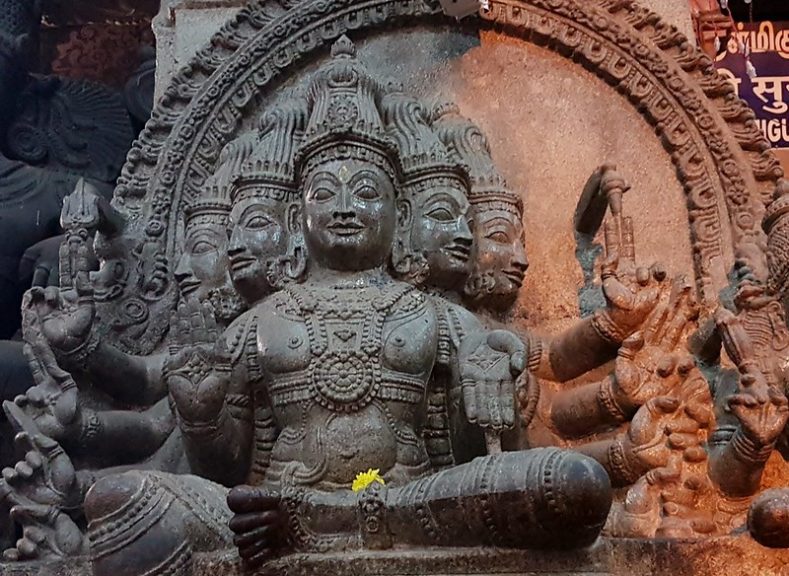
[203, 266]
[349, 214]
[500, 259]
[442, 234]
[258, 243]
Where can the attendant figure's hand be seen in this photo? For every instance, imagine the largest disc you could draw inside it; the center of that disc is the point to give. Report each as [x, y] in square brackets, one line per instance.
[489, 366]
[198, 369]
[761, 408]
[257, 524]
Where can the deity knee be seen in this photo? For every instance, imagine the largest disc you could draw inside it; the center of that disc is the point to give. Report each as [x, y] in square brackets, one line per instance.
[132, 528]
[768, 518]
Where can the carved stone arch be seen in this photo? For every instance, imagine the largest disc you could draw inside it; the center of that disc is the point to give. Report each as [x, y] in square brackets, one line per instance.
[719, 154]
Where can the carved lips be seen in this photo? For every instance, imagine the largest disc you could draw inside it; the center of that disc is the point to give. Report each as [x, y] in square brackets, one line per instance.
[346, 227]
[459, 252]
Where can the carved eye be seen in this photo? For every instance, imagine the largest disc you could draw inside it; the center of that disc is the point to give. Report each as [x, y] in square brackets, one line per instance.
[202, 247]
[367, 192]
[441, 215]
[258, 222]
[499, 237]
[322, 194]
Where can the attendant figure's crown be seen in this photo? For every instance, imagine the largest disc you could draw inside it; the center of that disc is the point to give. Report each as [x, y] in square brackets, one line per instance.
[468, 144]
[344, 120]
[424, 157]
[208, 211]
[268, 172]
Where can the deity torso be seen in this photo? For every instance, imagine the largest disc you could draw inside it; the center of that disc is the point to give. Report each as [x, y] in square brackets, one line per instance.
[346, 370]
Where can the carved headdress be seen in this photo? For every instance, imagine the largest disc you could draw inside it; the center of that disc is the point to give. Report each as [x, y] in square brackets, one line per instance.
[268, 171]
[427, 165]
[464, 139]
[424, 157]
[345, 121]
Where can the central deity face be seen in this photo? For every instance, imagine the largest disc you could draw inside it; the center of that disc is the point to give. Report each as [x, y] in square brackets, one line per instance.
[257, 246]
[203, 265]
[441, 232]
[500, 263]
[349, 214]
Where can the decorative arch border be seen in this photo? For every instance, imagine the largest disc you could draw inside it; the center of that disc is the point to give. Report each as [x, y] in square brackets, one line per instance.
[721, 158]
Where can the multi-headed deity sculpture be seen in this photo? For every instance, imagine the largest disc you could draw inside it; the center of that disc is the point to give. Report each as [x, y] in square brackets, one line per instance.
[327, 384]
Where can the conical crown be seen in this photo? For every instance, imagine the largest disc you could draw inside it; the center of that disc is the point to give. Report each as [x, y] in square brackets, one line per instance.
[466, 142]
[344, 119]
[268, 171]
[423, 155]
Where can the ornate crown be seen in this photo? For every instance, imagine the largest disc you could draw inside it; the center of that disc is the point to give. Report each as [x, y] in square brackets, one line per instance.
[466, 142]
[208, 211]
[424, 157]
[344, 119]
[268, 171]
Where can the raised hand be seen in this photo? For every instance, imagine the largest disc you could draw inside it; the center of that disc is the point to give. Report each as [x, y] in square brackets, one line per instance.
[762, 409]
[39, 490]
[490, 364]
[45, 475]
[257, 524]
[649, 362]
[198, 369]
[52, 402]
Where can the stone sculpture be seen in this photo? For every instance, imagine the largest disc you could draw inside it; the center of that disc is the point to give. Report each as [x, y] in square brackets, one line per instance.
[361, 218]
[326, 376]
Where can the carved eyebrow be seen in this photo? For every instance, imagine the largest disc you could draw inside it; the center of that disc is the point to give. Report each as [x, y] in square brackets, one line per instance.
[326, 176]
[368, 174]
[259, 209]
[500, 221]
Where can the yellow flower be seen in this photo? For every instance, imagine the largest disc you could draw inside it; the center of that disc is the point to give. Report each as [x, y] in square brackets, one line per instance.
[364, 479]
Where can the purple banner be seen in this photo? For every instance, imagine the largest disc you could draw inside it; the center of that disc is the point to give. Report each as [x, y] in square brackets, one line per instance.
[768, 92]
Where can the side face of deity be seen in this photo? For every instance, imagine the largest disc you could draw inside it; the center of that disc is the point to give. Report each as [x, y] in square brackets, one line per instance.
[258, 244]
[203, 265]
[441, 232]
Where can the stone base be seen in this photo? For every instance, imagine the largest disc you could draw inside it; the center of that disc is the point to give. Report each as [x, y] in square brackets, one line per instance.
[729, 556]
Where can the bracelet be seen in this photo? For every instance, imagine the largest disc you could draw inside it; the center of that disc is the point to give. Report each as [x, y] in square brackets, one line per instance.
[77, 359]
[607, 401]
[748, 450]
[91, 427]
[620, 466]
[208, 428]
[606, 328]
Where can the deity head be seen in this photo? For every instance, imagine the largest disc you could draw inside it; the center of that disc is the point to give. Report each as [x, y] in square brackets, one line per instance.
[434, 241]
[266, 248]
[202, 270]
[499, 257]
[348, 168]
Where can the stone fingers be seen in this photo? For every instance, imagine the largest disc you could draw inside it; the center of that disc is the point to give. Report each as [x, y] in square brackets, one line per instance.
[470, 400]
[263, 534]
[246, 499]
[247, 523]
[508, 403]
